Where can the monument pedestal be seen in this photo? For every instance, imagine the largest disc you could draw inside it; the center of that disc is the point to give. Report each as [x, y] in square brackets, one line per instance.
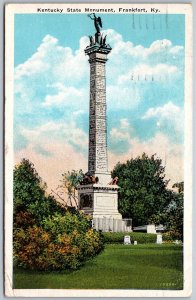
[101, 201]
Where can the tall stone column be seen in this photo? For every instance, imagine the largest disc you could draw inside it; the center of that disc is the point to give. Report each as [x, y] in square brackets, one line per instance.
[97, 158]
[98, 195]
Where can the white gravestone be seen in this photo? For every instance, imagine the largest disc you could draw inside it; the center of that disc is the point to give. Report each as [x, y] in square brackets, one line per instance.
[135, 242]
[159, 239]
[151, 228]
[127, 240]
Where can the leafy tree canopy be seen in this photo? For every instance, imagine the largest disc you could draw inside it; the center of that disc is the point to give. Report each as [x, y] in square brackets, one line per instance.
[30, 193]
[143, 188]
[66, 192]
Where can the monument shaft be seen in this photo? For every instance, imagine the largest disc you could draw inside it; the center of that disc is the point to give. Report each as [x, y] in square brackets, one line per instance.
[97, 159]
[98, 192]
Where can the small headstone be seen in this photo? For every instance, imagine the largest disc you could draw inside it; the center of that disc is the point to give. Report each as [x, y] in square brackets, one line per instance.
[151, 228]
[135, 242]
[127, 240]
[159, 239]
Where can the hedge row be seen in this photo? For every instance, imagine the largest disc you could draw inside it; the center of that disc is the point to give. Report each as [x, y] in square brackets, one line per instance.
[118, 237]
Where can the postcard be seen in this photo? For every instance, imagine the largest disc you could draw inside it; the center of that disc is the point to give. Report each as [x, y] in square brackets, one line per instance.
[98, 150]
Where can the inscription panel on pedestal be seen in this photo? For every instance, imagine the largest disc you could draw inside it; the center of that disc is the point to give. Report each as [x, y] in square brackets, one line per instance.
[105, 201]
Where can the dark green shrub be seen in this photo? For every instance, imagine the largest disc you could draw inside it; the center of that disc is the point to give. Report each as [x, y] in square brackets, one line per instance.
[171, 235]
[118, 237]
[58, 224]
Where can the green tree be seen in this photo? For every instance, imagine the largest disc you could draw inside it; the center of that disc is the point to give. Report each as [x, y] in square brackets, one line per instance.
[175, 212]
[143, 188]
[67, 190]
[30, 193]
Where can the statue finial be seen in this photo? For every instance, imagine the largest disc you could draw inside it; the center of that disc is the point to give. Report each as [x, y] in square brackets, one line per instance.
[99, 39]
[97, 22]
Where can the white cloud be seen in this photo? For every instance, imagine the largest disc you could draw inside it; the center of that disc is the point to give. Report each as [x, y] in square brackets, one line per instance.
[118, 134]
[53, 76]
[56, 61]
[168, 113]
[139, 51]
[64, 96]
[38, 62]
[53, 132]
[124, 123]
[122, 97]
[169, 119]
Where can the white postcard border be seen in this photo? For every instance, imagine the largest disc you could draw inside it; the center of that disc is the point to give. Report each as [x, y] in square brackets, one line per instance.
[11, 9]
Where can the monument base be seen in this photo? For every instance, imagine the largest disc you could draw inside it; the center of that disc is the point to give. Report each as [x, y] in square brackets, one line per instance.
[100, 201]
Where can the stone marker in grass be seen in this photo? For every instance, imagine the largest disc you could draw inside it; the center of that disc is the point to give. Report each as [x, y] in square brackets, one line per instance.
[159, 239]
[127, 240]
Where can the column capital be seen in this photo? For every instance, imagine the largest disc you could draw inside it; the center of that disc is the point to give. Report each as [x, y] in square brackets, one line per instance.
[97, 49]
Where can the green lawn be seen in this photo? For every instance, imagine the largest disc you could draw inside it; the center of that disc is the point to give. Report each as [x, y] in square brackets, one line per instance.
[148, 266]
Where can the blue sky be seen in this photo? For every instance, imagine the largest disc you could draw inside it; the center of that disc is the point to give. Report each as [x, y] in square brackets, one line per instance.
[30, 29]
[145, 89]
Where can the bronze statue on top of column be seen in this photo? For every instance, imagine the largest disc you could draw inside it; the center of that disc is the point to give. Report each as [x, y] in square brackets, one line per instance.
[99, 38]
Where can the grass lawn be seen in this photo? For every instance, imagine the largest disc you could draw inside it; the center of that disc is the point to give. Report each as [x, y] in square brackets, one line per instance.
[148, 266]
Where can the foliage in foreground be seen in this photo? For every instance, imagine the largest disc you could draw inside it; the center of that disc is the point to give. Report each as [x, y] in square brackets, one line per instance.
[118, 237]
[36, 248]
[46, 236]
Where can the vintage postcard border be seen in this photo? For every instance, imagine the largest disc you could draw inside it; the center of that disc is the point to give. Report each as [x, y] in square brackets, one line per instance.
[11, 9]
